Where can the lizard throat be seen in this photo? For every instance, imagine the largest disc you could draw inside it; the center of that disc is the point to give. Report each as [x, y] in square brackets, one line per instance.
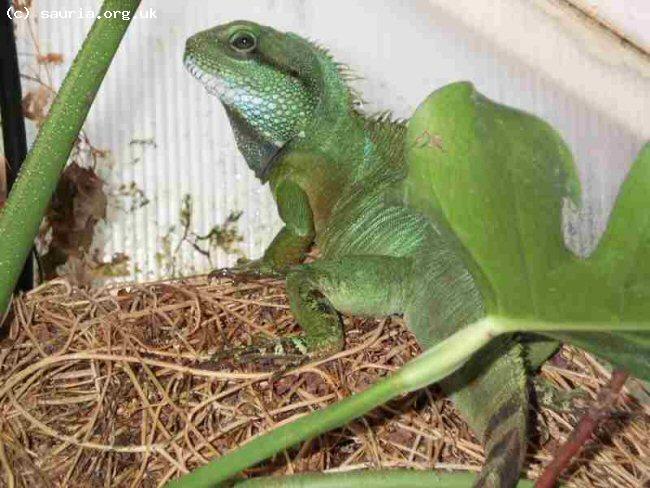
[213, 84]
[274, 105]
[257, 146]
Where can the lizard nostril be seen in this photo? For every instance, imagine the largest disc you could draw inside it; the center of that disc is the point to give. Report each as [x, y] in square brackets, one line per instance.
[193, 43]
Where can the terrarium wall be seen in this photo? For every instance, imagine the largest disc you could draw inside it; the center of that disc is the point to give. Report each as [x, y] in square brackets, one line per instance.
[164, 148]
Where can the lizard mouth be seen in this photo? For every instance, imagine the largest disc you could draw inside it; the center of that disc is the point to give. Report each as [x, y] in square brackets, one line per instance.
[213, 84]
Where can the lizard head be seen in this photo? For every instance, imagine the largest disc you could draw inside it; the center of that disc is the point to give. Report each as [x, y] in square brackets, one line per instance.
[270, 83]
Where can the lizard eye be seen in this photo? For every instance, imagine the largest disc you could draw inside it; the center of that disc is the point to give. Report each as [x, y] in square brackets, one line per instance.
[243, 42]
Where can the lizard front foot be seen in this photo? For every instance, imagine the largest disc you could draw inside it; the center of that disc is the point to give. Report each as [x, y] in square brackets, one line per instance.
[281, 355]
[560, 401]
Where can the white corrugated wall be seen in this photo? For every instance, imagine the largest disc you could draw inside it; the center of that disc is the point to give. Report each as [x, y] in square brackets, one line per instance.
[532, 55]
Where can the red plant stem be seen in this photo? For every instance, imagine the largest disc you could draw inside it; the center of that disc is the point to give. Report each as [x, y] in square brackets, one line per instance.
[583, 431]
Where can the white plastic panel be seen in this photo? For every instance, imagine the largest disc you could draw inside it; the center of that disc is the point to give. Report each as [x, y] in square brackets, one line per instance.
[629, 17]
[518, 52]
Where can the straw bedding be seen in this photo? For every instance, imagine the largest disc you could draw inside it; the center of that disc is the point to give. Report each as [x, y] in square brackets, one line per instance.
[131, 385]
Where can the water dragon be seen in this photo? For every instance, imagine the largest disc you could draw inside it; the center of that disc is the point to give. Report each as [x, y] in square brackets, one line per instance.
[341, 181]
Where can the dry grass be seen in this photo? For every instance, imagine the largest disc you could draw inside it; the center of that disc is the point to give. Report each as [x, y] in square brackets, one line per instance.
[120, 386]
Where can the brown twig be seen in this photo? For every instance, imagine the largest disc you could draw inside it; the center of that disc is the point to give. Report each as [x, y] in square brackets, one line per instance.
[583, 431]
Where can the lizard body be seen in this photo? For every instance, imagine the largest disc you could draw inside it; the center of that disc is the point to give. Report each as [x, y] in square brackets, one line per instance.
[338, 178]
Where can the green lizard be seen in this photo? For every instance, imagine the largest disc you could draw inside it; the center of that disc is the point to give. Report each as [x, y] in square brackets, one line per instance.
[340, 180]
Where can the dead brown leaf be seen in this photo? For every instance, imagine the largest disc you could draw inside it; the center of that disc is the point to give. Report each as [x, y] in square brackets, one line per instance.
[79, 202]
[50, 58]
[36, 104]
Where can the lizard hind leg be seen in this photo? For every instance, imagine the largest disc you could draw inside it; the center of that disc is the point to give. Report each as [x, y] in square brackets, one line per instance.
[317, 316]
[491, 389]
[366, 285]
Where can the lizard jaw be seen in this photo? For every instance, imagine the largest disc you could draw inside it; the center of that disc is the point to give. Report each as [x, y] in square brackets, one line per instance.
[213, 84]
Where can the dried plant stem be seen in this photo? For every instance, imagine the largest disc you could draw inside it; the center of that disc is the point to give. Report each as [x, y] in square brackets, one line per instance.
[583, 431]
[9, 475]
[93, 405]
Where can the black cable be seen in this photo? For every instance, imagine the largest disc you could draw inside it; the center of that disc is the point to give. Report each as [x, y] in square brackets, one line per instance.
[13, 122]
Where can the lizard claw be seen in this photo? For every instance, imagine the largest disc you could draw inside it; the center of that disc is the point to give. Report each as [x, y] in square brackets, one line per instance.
[287, 353]
[249, 271]
[237, 275]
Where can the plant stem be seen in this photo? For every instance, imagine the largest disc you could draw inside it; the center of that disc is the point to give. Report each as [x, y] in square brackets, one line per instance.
[509, 325]
[21, 216]
[385, 478]
[433, 365]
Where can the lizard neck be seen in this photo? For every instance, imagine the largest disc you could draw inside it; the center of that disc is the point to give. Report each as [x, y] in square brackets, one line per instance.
[323, 162]
[257, 151]
[321, 125]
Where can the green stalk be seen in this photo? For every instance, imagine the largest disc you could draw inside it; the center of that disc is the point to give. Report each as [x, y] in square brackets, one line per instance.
[386, 478]
[33, 189]
[431, 366]
[505, 324]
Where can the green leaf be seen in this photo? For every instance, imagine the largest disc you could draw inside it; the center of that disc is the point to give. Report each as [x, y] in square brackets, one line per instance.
[625, 246]
[497, 178]
[628, 350]
[614, 283]
[624, 250]
[623, 343]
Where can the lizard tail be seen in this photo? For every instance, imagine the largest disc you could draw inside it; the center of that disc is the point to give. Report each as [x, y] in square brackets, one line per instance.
[505, 445]
[491, 389]
[495, 403]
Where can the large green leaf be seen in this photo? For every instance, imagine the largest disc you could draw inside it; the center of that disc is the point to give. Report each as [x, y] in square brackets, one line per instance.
[616, 276]
[498, 177]
[624, 251]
